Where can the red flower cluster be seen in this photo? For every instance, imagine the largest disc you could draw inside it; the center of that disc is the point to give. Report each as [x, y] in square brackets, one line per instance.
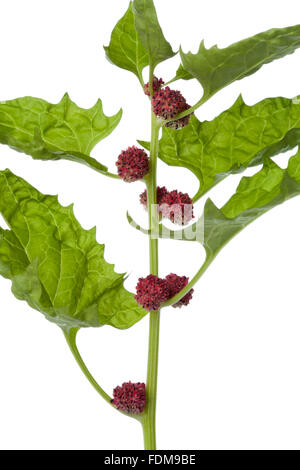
[130, 397]
[180, 123]
[161, 194]
[132, 164]
[156, 85]
[167, 103]
[152, 291]
[173, 205]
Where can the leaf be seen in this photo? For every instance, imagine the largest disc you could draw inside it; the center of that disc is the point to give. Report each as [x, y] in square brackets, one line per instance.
[13, 259]
[55, 131]
[216, 68]
[55, 265]
[150, 32]
[237, 139]
[181, 74]
[254, 196]
[125, 48]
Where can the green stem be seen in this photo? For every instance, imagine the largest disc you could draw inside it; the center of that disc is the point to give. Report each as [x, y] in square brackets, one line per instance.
[148, 421]
[191, 284]
[70, 335]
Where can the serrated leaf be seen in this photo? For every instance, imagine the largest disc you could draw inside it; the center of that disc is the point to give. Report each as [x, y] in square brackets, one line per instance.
[216, 68]
[150, 32]
[237, 139]
[55, 131]
[55, 265]
[125, 48]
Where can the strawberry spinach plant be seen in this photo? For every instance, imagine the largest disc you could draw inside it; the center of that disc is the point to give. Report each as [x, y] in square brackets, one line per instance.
[60, 270]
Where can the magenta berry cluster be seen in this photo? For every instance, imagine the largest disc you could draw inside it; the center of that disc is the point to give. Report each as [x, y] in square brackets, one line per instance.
[132, 164]
[152, 291]
[167, 103]
[175, 285]
[173, 205]
[130, 397]
[156, 85]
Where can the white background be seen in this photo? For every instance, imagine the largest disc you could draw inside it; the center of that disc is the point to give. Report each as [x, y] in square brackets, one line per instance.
[229, 364]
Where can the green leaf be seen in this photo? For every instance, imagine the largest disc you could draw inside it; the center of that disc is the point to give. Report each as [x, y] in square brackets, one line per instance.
[13, 259]
[216, 68]
[55, 265]
[237, 139]
[254, 196]
[125, 48]
[55, 131]
[150, 32]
